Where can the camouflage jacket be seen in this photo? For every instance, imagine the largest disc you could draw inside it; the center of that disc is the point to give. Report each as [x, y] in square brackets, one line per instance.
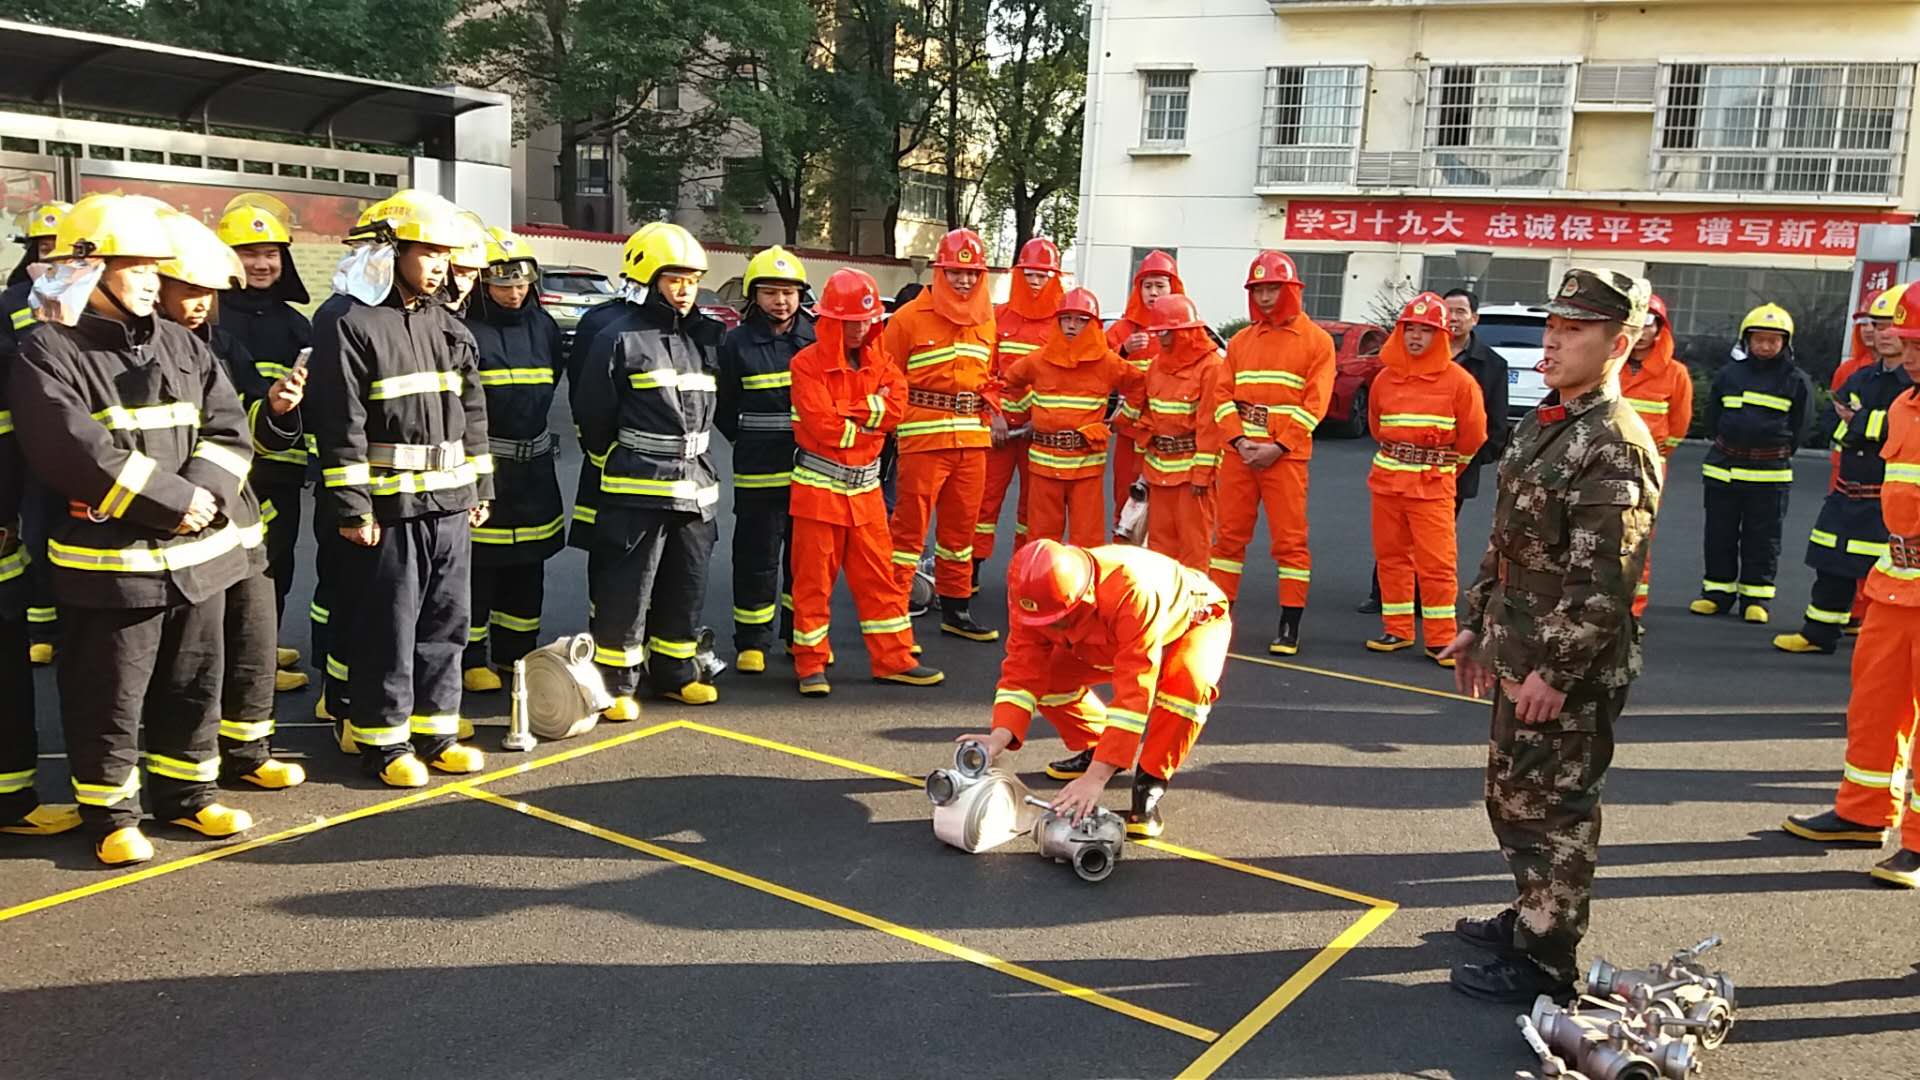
[1579, 487]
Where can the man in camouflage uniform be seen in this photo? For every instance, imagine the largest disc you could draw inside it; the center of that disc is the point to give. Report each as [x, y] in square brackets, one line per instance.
[1550, 626]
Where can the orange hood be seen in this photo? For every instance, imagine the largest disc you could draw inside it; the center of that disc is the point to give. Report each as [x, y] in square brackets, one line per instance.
[1659, 359]
[1395, 356]
[971, 311]
[1031, 303]
[1291, 304]
[832, 337]
[1069, 352]
[1190, 346]
[1137, 312]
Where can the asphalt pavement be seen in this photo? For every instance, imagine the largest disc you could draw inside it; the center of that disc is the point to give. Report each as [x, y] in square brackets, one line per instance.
[751, 889]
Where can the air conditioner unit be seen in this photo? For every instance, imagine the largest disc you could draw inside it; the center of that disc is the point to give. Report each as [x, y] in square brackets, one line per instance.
[1617, 87]
[1388, 168]
[707, 198]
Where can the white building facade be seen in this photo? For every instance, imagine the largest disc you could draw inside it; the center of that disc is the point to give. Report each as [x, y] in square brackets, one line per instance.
[1726, 150]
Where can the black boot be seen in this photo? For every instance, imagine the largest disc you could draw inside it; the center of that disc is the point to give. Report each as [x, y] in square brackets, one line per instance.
[1287, 641]
[1071, 768]
[1513, 980]
[1494, 933]
[1372, 604]
[1143, 820]
[976, 577]
[1901, 869]
[1828, 827]
[955, 619]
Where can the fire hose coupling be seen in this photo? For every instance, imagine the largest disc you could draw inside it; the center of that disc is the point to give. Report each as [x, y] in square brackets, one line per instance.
[1091, 845]
[975, 807]
[1635, 1024]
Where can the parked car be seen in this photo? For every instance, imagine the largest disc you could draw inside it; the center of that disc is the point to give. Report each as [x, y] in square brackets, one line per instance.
[710, 303]
[1514, 332]
[568, 292]
[1356, 360]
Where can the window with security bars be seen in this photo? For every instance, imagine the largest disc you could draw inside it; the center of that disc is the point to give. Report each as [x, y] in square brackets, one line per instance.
[1507, 281]
[1711, 300]
[1323, 281]
[923, 195]
[1497, 125]
[1802, 129]
[1163, 117]
[1310, 125]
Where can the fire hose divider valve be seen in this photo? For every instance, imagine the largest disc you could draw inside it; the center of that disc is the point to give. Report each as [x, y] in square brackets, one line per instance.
[1635, 1024]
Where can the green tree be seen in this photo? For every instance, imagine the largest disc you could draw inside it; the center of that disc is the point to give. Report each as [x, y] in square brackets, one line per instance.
[1034, 101]
[368, 38]
[660, 75]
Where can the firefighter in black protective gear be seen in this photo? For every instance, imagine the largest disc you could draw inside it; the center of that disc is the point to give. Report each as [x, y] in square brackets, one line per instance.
[401, 426]
[261, 317]
[1757, 414]
[202, 267]
[520, 369]
[1850, 535]
[586, 500]
[644, 401]
[754, 413]
[21, 811]
[36, 228]
[130, 420]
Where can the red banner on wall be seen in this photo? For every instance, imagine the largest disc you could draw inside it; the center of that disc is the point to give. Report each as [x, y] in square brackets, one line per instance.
[1431, 221]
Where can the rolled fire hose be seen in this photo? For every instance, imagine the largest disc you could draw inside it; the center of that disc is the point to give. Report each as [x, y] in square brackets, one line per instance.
[975, 807]
[557, 692]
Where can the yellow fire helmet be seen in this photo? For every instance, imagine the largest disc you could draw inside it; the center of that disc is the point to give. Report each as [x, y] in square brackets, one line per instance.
[471, 253]
[510, 259]
[200, 256]
[776, 264]
[245, 224]
[631, 256]
[40, 221]
[1768, 317]
[1887, 302]
[667, 247]
[113, 226]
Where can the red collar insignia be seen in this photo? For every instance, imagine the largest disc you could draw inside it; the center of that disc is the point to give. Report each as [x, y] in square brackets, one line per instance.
[1551, 414]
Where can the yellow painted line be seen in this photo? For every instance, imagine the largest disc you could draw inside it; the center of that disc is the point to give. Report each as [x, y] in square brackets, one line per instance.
[1264, 1013]
[801, 751]
[1388, 683]
[1270, 875]
[859, 918]
[148, 873]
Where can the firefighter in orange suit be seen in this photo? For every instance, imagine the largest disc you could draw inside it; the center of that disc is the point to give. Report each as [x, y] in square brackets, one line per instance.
[1066, 385]
[1281, 367]
[943, 339]
[1156, 630]
[1181, 444]
[1660, 389]
[1131, 336]
[1426, 412]
[1886, 659]
[1023, 324]
[847, 395]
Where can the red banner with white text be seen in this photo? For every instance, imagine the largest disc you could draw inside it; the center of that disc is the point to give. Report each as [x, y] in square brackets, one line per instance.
[1796, 231]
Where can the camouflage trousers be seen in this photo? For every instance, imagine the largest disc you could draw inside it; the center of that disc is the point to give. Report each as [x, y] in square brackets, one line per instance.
[1543, 797]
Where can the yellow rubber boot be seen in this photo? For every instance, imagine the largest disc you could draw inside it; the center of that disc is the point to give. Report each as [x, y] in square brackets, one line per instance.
[344, 737]
[217, 821]
[404, 771]
[124, 847]
[479, 680]
[45, 821]
[1704, 606]
[285, 682]
[1755, 614]
[1796, 643]
[623, 709]
[42, 653]
[285, 658]
[460, 758]
[320, 709]
[466, 730]
[750, 662]
[695, 693]
[275, 775]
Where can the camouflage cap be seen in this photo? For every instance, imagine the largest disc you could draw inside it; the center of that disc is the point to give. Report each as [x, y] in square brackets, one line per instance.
[1594, 295]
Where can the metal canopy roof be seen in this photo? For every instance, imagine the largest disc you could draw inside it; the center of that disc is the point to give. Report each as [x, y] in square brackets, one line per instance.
[67, 69]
